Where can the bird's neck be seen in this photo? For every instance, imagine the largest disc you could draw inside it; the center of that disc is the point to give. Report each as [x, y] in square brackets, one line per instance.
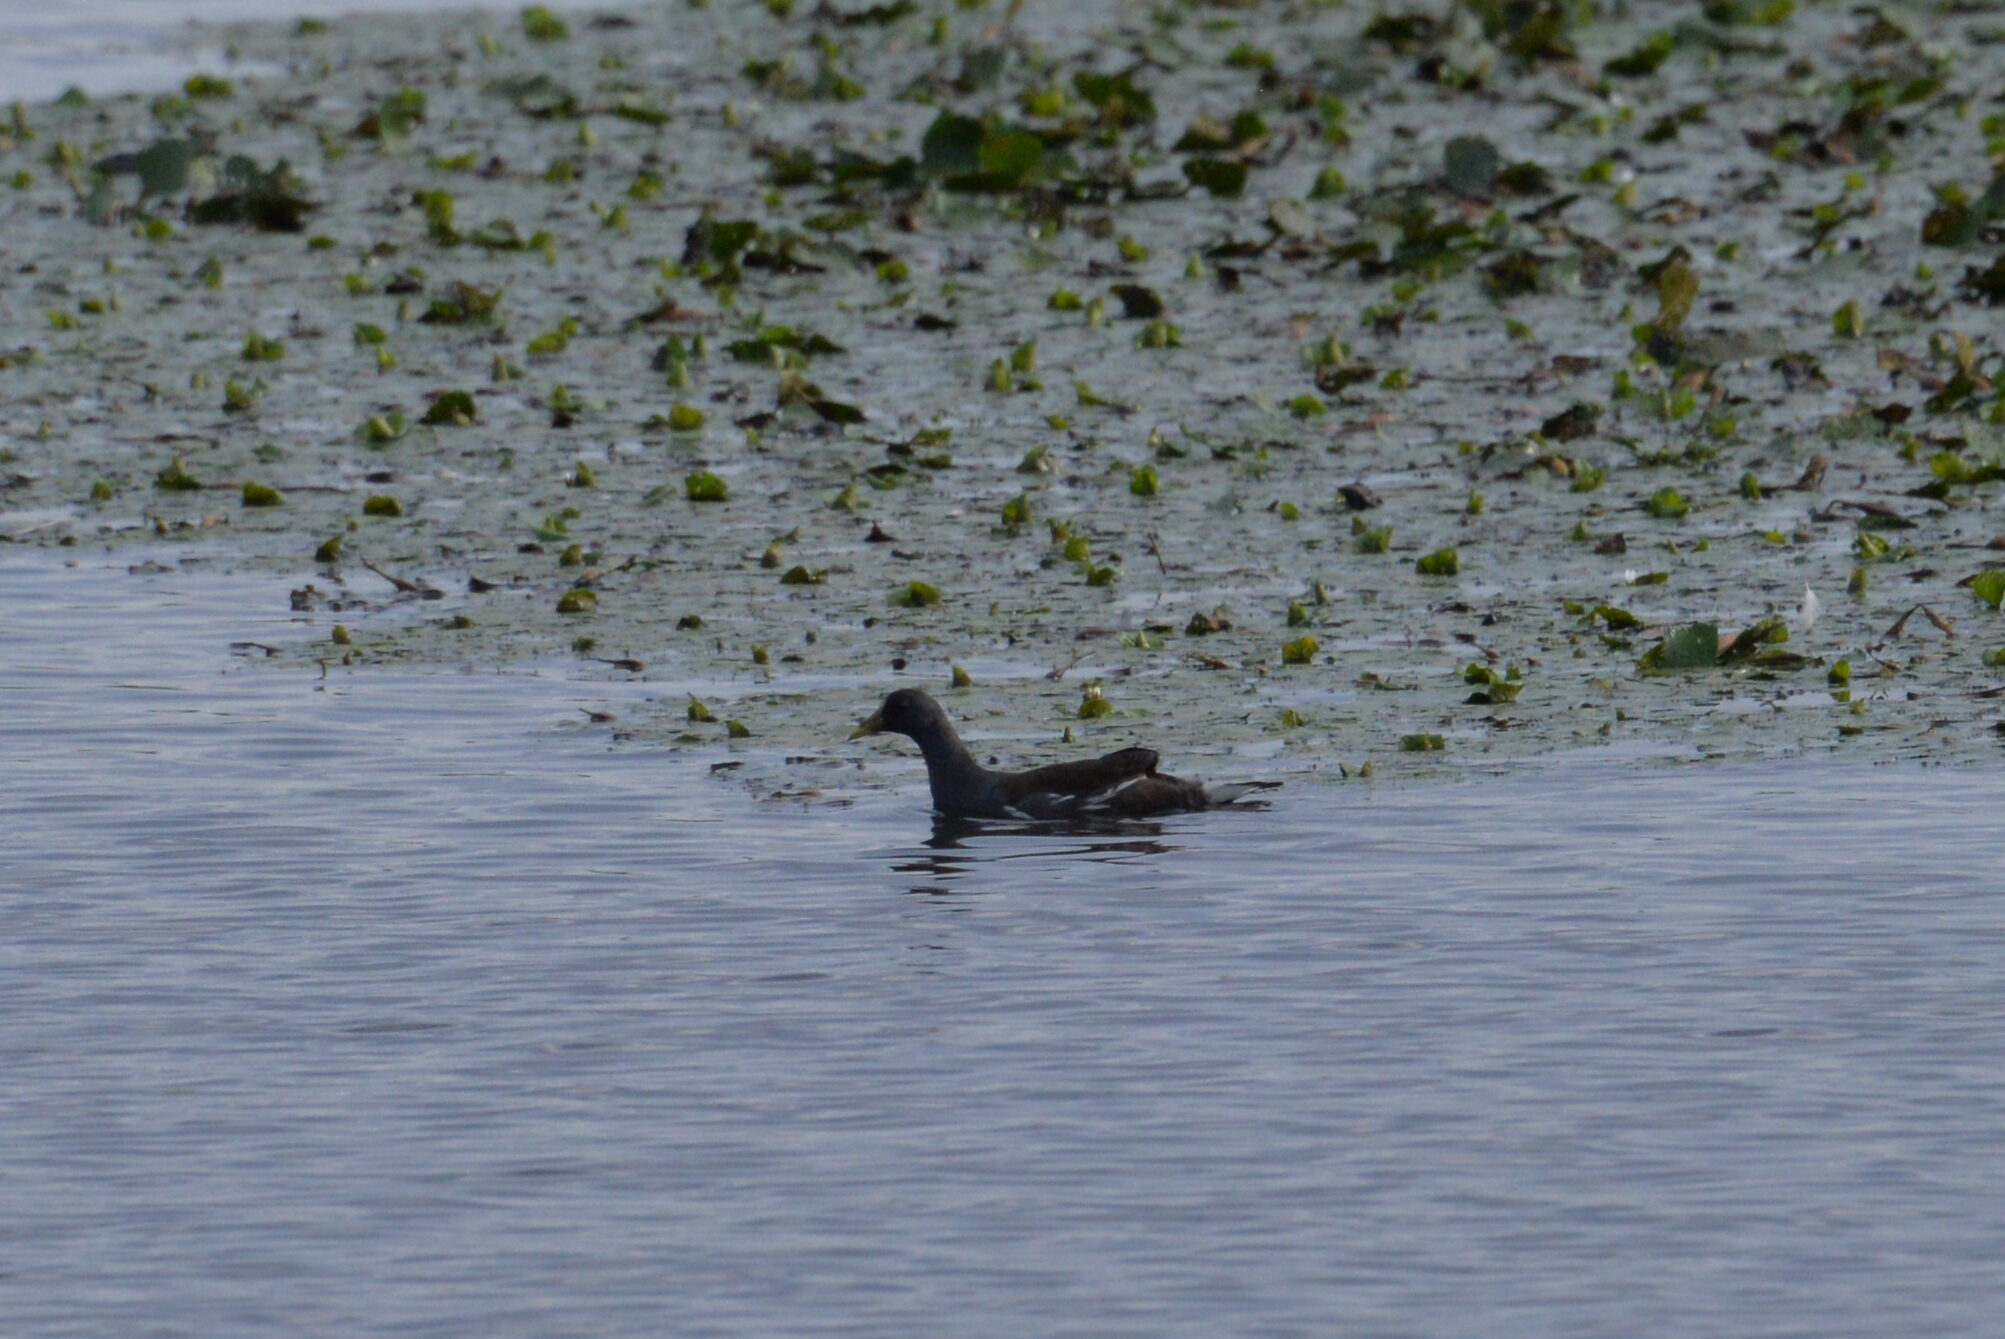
[951, 768]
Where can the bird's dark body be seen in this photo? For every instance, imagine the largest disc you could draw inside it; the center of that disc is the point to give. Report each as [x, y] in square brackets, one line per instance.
[1122, 784]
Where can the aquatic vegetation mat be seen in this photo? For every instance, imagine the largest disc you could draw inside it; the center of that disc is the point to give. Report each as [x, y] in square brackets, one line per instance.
[1349, 384]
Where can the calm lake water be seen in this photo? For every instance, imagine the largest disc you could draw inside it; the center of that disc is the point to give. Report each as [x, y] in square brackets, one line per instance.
[412, 1005]
[119, 46]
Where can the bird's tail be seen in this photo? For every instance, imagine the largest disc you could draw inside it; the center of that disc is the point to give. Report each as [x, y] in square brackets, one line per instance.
[1218, 795]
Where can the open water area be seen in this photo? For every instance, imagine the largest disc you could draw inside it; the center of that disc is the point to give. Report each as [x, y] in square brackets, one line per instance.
[378, 1001]
[410, 1004]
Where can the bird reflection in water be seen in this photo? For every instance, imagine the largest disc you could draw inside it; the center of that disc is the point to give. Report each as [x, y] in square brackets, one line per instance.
[1114, 842]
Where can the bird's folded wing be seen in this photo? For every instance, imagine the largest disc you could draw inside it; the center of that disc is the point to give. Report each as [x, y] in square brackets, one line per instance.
[1080, 780]
[1148, 797]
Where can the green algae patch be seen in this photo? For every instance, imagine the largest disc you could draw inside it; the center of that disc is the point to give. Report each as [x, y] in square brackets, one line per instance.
[1440, 563]
[452, 409]
[1667, 504]
[262, 495]
[703, 486]
[578, 601]
[174, 477]
[916, 595]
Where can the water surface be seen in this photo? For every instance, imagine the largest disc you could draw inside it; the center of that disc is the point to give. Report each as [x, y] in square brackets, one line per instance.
[414, 1005]
[123, 46]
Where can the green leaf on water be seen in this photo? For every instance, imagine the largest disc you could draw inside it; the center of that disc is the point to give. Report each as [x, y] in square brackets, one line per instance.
[1225, 177]
[703, 486]
[1989, 586]
[1748, 641]
[1694, 646]
[162, 166]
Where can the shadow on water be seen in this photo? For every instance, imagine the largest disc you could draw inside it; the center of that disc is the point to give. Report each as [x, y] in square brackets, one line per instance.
[959, 847]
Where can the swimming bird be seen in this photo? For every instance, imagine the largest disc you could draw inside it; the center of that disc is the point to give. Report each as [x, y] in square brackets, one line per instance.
[1122, 784]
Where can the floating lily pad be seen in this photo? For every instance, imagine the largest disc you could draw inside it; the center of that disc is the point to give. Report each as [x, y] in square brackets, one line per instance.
[1693, 646]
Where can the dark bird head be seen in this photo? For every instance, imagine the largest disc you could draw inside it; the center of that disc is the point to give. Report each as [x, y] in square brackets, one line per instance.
[905, 712]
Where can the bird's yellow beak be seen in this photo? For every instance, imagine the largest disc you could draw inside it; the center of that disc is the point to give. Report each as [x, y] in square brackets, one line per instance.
[873, 726]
